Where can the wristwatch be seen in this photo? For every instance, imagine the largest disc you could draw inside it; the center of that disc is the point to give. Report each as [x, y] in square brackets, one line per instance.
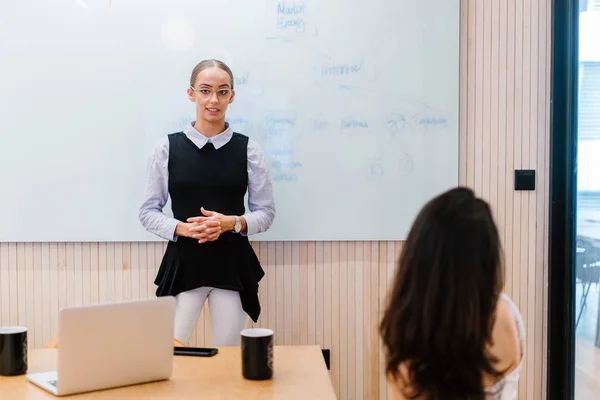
[238, 224]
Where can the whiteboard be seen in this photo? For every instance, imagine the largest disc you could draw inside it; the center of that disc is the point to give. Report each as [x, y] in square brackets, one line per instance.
[355, 104]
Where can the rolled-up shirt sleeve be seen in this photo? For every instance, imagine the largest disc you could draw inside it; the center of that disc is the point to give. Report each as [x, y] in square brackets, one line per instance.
[156, 194]
[261, 203]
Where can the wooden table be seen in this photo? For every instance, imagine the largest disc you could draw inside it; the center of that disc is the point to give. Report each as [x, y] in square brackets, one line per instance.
[300, 373]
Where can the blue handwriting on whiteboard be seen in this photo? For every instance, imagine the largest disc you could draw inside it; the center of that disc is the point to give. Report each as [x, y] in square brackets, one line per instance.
[353, 123]
[294, 8]
[396, 123]
[277, 164]
[278, 124]
[290, 16]
[318, 125]
[298, 23]
[341, 69]
[285, 177]
[283, 152]
[281, 120]
[237, 120]
[241, 80]
[432, 121]
[429, 120]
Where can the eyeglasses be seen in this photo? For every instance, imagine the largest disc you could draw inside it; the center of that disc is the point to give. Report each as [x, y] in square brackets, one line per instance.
[222, 94]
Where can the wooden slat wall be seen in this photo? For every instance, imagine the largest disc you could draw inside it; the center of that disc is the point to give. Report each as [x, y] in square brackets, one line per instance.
[331, 293]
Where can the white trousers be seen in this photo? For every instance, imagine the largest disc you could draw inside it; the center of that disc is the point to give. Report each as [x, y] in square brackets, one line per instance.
[227, 318]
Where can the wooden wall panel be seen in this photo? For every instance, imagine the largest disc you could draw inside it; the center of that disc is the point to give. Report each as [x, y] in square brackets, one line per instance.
[331, 293]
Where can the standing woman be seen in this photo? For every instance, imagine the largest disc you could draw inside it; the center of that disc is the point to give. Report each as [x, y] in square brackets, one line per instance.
[206, 170]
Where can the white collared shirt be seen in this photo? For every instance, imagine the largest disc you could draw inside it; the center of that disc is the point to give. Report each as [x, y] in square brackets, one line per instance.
[261, 204]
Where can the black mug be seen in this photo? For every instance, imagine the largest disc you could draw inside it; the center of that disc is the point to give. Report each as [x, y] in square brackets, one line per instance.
[13, 350]
[257, 354]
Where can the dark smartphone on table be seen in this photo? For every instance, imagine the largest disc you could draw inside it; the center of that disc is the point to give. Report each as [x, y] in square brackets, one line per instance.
[195, 351]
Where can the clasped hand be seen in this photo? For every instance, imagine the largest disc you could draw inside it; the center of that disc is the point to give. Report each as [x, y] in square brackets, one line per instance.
[206, 228]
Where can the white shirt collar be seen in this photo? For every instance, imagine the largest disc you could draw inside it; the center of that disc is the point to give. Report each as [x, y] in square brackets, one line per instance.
[200, 140]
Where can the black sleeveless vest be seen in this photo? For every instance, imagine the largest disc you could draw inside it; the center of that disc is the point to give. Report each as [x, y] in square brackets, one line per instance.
[216, 180]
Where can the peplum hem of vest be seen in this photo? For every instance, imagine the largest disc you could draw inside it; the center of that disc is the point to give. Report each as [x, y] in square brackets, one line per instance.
[227, 263]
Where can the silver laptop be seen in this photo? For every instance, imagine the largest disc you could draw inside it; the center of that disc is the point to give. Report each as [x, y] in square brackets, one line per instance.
[111, 345]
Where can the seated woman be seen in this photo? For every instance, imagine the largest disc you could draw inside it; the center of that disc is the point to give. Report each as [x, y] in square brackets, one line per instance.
[449, 332]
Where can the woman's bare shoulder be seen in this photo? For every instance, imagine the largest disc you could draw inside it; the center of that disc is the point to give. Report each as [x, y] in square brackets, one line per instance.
[505, 344]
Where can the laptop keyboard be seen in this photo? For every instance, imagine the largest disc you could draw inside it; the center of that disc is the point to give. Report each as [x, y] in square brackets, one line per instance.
[53, 383]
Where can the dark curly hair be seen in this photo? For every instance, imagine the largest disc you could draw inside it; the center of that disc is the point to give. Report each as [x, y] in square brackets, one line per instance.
[441, 309]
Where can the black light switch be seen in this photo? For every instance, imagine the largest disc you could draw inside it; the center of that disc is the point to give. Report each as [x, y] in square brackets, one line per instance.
[524, 179]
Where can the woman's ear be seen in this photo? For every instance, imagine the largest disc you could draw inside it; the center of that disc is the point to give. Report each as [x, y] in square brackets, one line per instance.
[232, 96]
[190, 93]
